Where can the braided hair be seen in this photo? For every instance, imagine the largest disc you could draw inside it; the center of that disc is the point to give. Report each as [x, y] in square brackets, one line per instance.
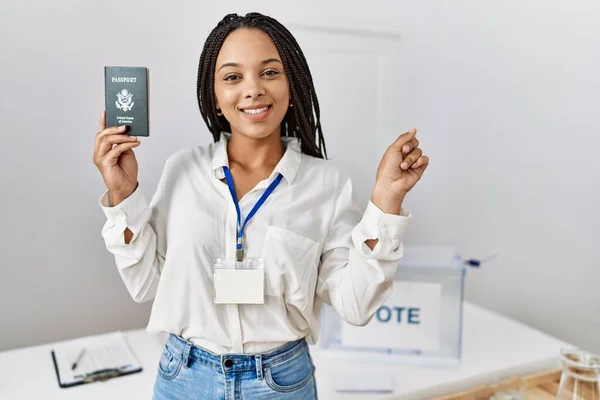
[299, 121]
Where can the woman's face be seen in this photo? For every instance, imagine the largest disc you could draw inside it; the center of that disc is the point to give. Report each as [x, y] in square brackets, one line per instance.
[251, 88]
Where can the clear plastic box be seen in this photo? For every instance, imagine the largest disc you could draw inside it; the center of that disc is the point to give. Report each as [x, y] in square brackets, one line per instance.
[440, 265]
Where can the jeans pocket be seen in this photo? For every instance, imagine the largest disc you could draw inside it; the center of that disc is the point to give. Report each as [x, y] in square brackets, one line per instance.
[290, 375]
[170, 363]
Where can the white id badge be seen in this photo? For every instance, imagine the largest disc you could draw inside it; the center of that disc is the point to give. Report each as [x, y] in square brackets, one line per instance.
[239, 282]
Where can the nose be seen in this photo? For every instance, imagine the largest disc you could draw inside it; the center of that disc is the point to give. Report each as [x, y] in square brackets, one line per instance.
[254, 88]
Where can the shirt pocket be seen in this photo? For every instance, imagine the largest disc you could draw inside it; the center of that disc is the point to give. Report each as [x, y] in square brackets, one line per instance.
[290, 262]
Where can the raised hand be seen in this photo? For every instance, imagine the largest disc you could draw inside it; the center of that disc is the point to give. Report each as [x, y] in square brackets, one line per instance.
[400, 168]
[114, 157]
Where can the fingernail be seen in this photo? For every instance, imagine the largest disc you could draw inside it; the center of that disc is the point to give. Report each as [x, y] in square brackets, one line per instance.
[404, 165]
[122, 127]
[407, 148]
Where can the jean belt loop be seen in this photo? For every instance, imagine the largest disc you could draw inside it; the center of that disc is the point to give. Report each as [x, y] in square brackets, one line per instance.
[259, 368]
[186, 353]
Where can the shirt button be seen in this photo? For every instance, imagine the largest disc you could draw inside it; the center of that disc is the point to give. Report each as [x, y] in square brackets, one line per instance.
[121, 215]
[228, 363]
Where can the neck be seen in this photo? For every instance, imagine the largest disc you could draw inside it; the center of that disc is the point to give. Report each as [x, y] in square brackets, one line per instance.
[252, 154]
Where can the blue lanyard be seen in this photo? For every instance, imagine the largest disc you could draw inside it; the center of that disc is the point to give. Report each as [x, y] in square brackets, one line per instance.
[259, 203]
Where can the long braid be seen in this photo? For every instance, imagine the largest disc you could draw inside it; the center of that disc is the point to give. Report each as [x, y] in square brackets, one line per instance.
[310, 85]
[303, 119]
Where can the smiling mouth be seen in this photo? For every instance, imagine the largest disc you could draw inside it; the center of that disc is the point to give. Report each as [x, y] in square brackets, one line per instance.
[256, 111]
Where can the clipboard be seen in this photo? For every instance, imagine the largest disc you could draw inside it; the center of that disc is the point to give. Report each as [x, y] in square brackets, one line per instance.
[107, 356]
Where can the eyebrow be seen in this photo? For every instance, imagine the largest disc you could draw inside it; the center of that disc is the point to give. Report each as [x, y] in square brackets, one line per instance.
[263, 62]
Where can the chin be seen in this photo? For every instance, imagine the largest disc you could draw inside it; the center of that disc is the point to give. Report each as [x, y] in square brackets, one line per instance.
[256, 132]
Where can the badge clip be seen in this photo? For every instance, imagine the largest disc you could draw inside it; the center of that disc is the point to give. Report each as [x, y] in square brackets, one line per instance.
[239, 252]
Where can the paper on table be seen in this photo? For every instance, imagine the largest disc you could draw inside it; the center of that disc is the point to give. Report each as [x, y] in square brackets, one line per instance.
[104, 351]
[363, 382]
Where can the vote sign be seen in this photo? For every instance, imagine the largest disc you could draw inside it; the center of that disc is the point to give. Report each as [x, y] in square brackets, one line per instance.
[409, 319]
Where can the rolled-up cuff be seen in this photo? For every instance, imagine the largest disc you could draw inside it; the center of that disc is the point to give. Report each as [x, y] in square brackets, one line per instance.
[388, 229]
[130, 213]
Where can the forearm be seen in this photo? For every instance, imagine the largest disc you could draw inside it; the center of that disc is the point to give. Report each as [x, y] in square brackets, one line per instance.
[388, 203]
[115, 199]
[131, 235]
[139, 265]
[352, 278]
[128, 236]
[139, 262]
[359, 288]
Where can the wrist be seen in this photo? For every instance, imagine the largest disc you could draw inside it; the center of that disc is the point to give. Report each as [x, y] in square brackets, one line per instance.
[387, 200]
[118, 196]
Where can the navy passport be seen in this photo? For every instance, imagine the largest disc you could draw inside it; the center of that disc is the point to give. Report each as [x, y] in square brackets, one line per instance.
[126, 98]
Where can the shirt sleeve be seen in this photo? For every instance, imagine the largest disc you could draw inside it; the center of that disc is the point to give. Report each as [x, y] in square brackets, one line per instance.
[354, 280]
[139, 262]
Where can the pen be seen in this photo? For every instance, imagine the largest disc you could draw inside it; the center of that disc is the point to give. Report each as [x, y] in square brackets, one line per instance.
[78, 359]
[103, 374]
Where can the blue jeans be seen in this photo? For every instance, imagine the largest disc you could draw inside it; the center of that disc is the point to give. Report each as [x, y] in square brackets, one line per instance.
[187, 371]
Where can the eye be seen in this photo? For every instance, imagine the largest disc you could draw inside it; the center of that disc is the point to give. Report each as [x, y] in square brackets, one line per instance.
[271, 72]
[232, 78]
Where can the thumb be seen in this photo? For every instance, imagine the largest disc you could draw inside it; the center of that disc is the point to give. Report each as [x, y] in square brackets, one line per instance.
[403, 139]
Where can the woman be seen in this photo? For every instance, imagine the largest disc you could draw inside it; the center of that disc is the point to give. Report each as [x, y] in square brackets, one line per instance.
[262, 195]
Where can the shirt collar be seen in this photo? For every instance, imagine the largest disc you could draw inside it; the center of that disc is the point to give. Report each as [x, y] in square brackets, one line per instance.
[288, 166]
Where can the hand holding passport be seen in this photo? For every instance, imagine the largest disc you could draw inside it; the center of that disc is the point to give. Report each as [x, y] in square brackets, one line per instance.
[125, 118]
[114, 157]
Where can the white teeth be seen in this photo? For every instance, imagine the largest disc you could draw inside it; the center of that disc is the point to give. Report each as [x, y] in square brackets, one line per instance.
[256, 111]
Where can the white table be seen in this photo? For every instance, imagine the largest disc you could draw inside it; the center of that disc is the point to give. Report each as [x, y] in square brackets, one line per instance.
[495, 347]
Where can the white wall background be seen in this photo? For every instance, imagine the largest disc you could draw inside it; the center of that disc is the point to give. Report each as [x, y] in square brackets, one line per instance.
[506, 97]
[503, 94]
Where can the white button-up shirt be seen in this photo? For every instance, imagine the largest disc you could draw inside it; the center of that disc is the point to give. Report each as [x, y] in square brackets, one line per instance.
[309, 231]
